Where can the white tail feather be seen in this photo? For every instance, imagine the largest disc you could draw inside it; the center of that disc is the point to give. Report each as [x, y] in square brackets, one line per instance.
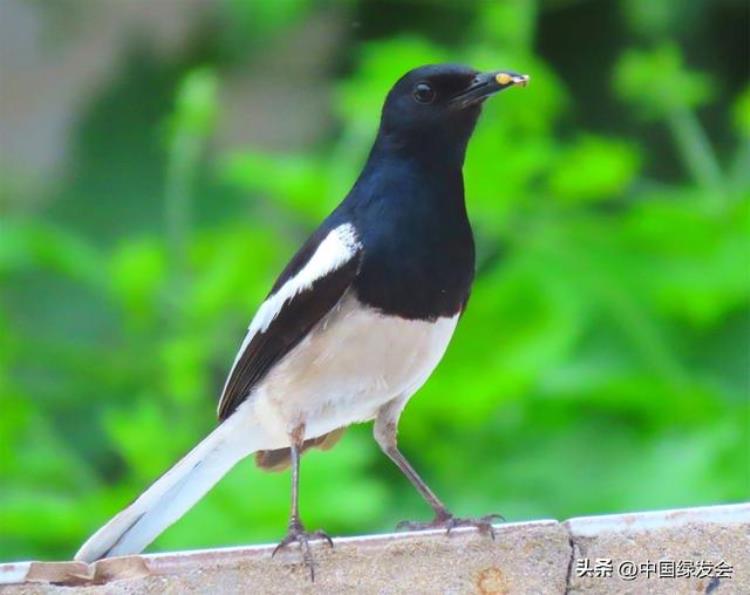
[175, 492]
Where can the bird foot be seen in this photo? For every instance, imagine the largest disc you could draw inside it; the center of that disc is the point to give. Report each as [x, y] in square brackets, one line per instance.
[449, 522]
[298, 534]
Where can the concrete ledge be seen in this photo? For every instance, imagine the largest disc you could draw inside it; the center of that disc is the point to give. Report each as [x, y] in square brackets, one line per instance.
[632, 553]
[695, 550]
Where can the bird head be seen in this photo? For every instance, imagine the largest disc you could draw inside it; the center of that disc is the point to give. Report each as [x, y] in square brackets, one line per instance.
[433, 109]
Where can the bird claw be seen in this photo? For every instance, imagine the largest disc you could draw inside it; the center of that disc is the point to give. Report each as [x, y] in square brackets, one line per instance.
[298, 534]
[448, 522]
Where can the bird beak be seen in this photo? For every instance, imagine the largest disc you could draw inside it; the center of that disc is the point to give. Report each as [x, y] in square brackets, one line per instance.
[486, 84]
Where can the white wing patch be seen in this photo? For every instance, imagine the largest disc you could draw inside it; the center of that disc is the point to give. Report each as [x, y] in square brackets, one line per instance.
[338, 248]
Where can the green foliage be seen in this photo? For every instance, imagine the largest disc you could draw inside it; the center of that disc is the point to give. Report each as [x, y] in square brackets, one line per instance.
[658, 82]
[742, 113]
[601, 365]
[610, 166]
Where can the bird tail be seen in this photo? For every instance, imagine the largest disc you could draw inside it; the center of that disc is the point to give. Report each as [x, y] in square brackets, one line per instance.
[175, 492]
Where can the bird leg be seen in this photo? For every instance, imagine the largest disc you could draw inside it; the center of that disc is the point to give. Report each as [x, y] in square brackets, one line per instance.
[296, 530]
[385, 435]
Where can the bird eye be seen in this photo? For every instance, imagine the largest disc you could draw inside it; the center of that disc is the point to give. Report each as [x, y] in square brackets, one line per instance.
[424, 93]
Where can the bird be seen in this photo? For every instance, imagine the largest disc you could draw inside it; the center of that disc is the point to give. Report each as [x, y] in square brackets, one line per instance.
[354, 324]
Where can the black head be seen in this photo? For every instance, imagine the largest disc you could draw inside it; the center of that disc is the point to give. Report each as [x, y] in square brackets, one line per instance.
[433, 109]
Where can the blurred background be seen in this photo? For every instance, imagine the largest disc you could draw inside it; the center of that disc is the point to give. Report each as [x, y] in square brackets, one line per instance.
[162, 159]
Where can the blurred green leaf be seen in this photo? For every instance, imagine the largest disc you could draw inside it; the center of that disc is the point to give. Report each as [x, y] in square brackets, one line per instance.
[138, 273]
[656, 81]
[659, 19]
[594, 169]
[299, 183]
[196, 103]
[741, 113]
[30, 244]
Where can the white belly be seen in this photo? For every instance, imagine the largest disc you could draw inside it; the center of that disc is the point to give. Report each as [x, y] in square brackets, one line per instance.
[353, 362]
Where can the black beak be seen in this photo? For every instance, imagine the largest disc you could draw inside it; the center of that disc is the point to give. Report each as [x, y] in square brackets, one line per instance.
[486, 84]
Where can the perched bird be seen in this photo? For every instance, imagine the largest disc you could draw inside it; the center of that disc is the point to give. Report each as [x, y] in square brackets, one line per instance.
[357, 320]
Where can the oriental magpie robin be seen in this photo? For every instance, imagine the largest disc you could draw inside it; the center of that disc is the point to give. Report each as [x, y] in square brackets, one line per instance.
[357, 320]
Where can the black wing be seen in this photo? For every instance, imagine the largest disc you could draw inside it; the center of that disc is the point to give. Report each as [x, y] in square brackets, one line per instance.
[295, 318]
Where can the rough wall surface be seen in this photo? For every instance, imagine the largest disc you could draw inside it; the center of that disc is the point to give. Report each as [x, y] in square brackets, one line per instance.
[701, 550]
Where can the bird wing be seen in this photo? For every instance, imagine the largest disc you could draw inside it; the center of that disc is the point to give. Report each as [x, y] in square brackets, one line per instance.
[309, 287]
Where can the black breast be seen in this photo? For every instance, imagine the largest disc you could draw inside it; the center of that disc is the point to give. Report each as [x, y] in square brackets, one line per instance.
[418, 249]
